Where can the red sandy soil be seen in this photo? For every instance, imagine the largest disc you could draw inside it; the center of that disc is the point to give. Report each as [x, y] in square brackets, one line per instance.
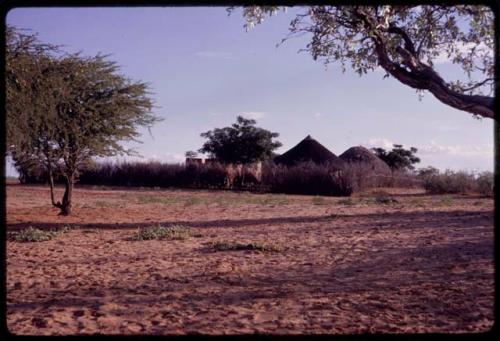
[422, 264]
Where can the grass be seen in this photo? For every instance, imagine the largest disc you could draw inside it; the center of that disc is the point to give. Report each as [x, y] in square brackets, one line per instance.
[446, 201]
[151, 199]
[174, 232]
[101, 203]
[346, 201]
[32, 234]
[265, 200]
[193, 201]
[235, 246]
[417, 202]
[317, 200]
[385, 199]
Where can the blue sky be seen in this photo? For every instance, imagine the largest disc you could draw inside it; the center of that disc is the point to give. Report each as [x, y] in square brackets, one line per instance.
[204, 69]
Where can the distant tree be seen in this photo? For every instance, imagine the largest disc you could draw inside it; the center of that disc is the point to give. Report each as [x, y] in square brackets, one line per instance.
[405, 41]
[191, 153]
[428, 171]
[78, 108]
[241, 143]
[398, 158]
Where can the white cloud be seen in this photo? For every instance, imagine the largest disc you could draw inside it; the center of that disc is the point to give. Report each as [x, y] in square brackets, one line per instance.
[214, 54]
[434, 148]
[484, 150]
[255, 115]
[378, 142]
[318, 114]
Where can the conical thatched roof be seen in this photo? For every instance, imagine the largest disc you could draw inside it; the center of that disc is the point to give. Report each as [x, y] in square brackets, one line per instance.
[309, 150]
[362, 155]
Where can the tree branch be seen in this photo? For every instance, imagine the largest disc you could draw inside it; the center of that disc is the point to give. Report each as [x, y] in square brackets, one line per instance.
[423, 77]
[409, 46]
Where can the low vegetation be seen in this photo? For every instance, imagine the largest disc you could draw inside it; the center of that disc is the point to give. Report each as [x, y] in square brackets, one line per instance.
[346, 201]
[235, 246]
[303, 178]
[32, 234]
[317, 200]
[174, 232]
[385, 199]
[460, 182]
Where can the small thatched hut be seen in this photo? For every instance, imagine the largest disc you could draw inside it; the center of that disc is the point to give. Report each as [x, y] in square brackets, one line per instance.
[309, 150]
[361, 155]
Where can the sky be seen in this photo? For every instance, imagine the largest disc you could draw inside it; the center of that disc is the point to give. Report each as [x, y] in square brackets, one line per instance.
[204, 69]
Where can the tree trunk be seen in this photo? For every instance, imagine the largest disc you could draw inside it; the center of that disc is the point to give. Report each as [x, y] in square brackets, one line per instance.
[68, 193]
[51, 182]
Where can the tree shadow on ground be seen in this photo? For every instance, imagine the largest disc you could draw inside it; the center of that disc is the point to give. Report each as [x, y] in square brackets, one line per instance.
[467, 219]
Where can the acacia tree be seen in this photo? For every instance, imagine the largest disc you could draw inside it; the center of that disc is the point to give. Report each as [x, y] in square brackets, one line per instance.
[398, 158]
[404, 41]
[240, 143]
[79, 108]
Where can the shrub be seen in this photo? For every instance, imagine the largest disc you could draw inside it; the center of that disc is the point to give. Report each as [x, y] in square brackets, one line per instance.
[31, 234]
[449, 182]
[485, 183]
[234, 246]
[346, 201]
[385, 199]
[174, 232]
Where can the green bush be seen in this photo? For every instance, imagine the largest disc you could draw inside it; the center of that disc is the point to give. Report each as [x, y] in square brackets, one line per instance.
[31, 234]
[174, 232]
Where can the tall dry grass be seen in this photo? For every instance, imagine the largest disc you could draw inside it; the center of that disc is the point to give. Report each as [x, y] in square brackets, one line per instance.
[303, 178]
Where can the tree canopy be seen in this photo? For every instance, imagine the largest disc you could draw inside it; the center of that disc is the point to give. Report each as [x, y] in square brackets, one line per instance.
[398, 158]
[240, 143]
[63, 109]
[405, 41]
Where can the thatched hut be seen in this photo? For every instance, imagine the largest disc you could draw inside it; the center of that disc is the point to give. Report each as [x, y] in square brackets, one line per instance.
[309, 150]
[363, 156]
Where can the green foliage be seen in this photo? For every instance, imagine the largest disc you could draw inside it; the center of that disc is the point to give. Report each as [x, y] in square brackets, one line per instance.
[241, 143]
[406, 41]
[235, 246]
[32, 234]
[174, 232]
[398, 158]
[64, 109]
[428, 171]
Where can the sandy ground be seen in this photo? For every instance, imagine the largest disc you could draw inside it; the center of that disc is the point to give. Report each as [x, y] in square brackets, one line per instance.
[422, 264]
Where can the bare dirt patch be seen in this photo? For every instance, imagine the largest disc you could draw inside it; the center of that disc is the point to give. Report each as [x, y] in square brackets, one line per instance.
[416, 264]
